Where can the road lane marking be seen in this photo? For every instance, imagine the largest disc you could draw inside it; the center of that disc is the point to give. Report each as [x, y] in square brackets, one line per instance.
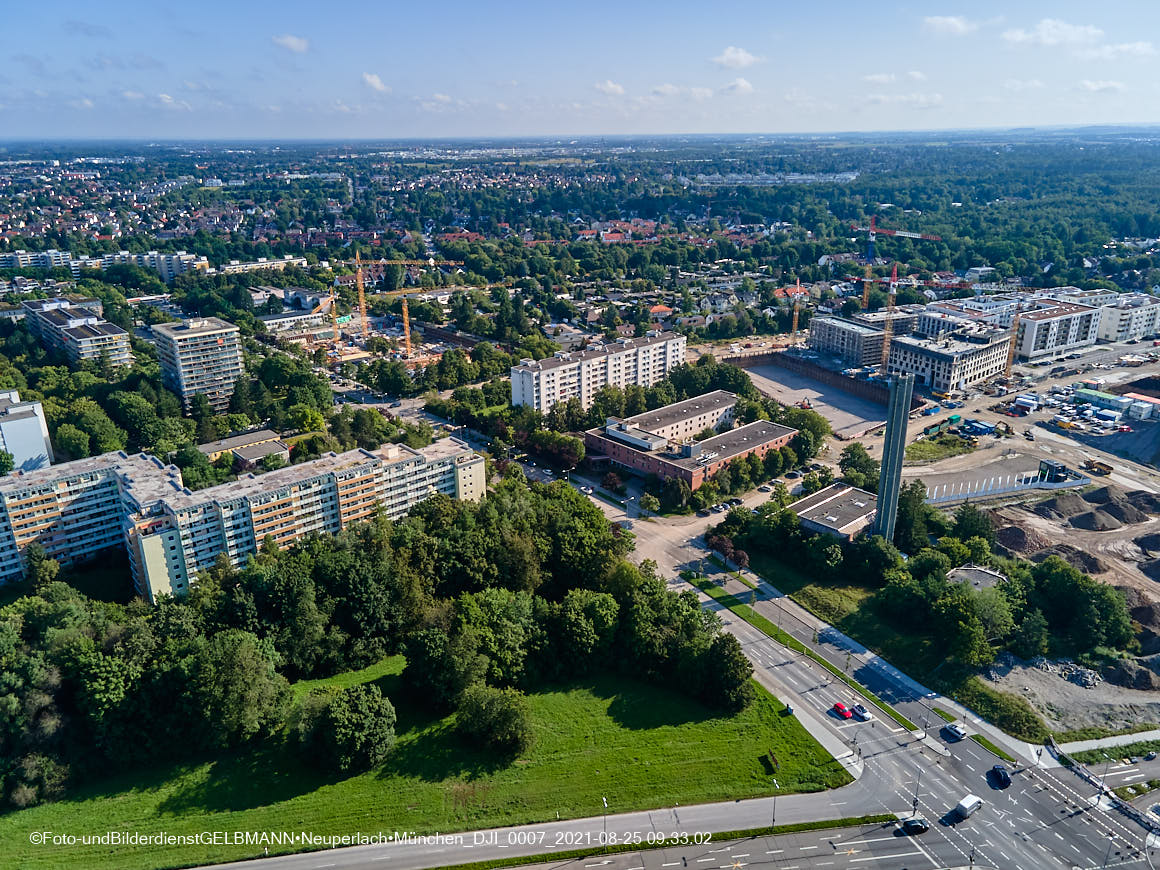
[803, 848]
[885, 857]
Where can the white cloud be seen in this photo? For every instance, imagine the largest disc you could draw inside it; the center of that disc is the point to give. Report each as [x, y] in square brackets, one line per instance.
[1101, 87]
[918, 101]
[738, 86]
[879, 78]
[735, 58]
[608, 86]
[296, 44]
[950, 25]
[1022, 84]
[669, 90]
[82, 103]
[132, 95]
[666, 90]
[1117, 51]
[1052, 32]
[167, 102]
[916, 75]
[441, 98]
[372, 80]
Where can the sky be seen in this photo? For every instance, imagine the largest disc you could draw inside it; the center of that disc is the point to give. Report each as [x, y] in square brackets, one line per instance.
[253, 69]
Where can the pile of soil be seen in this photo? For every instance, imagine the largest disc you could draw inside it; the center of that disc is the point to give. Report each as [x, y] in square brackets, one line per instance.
[1021, 540]
[1131, 674]
[1151, 569]
[1124, 511]
[1063, 506]
[1149, 543]
[1103, 495]
[1075, 557]
[1141, 499]
[1096, 521]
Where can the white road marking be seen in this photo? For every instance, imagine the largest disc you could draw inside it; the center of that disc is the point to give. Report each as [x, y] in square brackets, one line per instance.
[885, 857]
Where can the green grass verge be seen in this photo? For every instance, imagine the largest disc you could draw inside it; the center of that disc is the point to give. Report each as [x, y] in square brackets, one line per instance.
[1009, 713]
[759, 622]
[1096, 756]
[1139, 789]
[724, 837]
[1095, 733]
[611, 499]
[639, 745]
[946, 715]
[987, 744]
[720, 563]
[933, 449]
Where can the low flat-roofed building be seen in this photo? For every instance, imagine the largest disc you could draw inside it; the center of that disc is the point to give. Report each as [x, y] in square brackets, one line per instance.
[293, 321]
[214, 449]
[977, 576]
[839, 509]
[252, 454]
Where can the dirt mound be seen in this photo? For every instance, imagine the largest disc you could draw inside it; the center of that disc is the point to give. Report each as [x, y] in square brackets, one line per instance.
[1103, 495]
[1021, 540]
[1130, 674]
[1096, 521]
[1149, 542]
[1124, 511]
[1141, 499]
[1066, 504]
[1075, 557]
[1151, 569]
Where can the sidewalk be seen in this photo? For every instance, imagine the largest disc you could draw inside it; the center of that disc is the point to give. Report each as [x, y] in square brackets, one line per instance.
[1105, 742]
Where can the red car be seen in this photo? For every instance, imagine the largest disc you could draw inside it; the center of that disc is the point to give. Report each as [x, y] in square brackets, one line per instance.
[843, 711]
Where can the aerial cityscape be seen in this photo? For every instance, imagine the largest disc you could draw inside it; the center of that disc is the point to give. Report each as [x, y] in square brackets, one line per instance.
[619, 438]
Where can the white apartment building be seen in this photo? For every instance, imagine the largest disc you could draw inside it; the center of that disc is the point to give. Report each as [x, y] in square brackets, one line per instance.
[200, 356]
[168, 265]
[79, 510]
[234, 267]
[24, 432]
[77, 330]
[953, 361]
[50, 259]
[1133, 315]
[1055, 327]
[640, 361]
[856, 343]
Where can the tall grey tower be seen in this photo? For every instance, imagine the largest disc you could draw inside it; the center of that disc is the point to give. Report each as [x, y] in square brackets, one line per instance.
[893, 452]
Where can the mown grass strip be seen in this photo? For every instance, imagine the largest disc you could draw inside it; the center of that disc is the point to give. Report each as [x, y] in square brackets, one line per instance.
[720, 563]
[556, 857]
[787, 640]
[946, 715]
[987, 744]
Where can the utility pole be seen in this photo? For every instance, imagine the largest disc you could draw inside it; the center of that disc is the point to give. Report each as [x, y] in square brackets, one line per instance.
[773, 818]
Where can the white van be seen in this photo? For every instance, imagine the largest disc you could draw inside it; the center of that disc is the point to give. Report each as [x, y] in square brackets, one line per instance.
[968, 805]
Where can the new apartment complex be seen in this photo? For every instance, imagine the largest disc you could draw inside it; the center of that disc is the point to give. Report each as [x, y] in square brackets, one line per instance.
[567, 375]
[80, 509]
[952, 361]
[76, 330]
[201, 356]
[1133, 315]
[24, 432]
[1054, 327]
[851, 341]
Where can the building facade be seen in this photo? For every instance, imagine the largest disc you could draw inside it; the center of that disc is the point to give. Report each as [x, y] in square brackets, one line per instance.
[77, 331]
[24, 432]
[855, 343]
[200, 357]
[79, 510]
[540, 384]
[1055, 327]
[1134, 315]
[953, 361]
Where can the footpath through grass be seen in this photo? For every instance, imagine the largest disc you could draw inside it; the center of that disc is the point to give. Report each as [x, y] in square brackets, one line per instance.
[636, 744]
[759, 622]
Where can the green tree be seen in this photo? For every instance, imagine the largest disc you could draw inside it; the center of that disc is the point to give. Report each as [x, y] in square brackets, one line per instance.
[350, 729]
[970, 522]
[495, 719]
[238, 692]
[7, 463]
[71, 441]
[650, 502]
[304, 418]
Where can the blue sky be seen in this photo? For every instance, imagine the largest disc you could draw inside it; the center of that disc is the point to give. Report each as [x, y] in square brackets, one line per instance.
[256, 69]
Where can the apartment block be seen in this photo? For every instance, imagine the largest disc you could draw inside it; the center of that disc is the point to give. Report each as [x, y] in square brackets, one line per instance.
[855, 343]
[1055, 327]
[24, 432]
[79, 510]
[1135, 315]
[952, 361]
[167, 265]
[77, 331]
[201, 356]
[567, 375]
[234, 267]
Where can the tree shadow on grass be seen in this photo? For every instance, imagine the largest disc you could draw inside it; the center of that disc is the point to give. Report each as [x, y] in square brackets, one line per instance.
[641, 706]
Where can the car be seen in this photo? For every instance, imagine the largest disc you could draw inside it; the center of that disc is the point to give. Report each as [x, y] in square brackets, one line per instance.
[842, 711]
[1001, 775]
[396, 404]
[717, 508]
[1123, 428]
[587, 490]
[817, 466]
[793, 475]
[733, 502]
[704, 512]
[955, 730]
[860, 711]
[1151, 756]
[914, 826]
[765, 487]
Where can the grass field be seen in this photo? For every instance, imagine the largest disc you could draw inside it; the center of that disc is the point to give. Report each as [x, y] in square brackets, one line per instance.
[934, 449]
[639, 745]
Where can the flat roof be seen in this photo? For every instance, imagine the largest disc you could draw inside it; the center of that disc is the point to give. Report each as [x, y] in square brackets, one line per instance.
[850, 325]
[1056, 309]
[565, 358]
[950, 347]
[146, 477]
[836, 506]
[193, 326]
[239, 441]
[735, 442]
[686, 409]
[253, 452]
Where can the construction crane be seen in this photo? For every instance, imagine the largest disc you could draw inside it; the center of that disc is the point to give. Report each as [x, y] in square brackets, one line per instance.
[873, 230]
[888, 326]
[797, 304]
[1014, 344]
[364, 324]
[867, 280]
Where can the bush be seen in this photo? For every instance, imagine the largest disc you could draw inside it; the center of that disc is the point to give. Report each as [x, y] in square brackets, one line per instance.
[495, 719]
[352, 729]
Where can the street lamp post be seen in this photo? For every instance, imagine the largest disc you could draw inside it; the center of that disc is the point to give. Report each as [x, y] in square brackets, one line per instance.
[604, 839]
[917, 783]
[773, 818]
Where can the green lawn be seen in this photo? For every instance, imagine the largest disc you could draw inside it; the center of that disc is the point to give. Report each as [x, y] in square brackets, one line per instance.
[639, 745]
[936, 448]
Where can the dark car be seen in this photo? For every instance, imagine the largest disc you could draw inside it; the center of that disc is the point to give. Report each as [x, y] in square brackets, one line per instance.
[704, 512]
[915, 826]
[1002, 777]
[793, 475]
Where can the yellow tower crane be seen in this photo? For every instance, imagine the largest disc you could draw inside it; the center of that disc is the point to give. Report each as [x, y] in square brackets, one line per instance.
[867, 280]
[1014, 344]
[888, 326]
[364, 324]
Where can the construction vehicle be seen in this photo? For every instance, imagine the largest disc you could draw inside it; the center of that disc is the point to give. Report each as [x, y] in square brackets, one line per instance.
[873, 230]
[1095, 466]
[805, 405]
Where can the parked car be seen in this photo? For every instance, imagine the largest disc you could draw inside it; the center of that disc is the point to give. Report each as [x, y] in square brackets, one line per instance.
[842, 711]
[717, 508]
[1002, 777]
[587, 490]
[793, 475]
[955, 730]
[861, 712]
[765, 487]
[914, 826]
[704, 512]
[733, 502]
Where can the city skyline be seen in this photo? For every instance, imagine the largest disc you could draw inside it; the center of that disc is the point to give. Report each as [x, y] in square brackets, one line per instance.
[286, 72]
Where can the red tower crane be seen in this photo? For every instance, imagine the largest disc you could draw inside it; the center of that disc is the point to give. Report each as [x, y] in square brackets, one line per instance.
[873, 230]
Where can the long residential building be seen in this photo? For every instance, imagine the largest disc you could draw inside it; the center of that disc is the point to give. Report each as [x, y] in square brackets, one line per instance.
[79, 510]
[952, 361]
[77, 330]
[200, 356]
[853, 342]
[167, 265]
[234, 267]
[1055, 327]
[1133, 315]
[540, 384]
